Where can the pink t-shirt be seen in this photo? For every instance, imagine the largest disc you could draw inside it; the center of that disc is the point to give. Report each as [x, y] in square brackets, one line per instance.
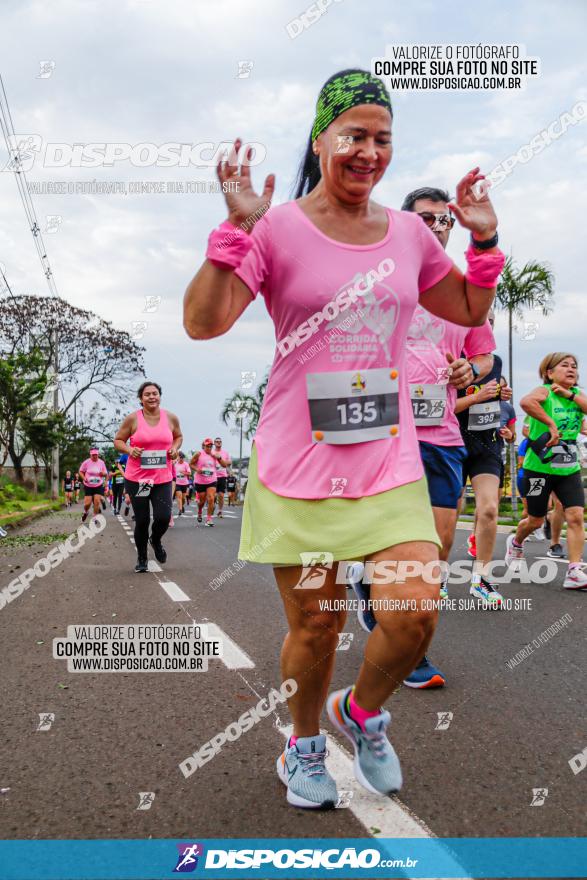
[182, 470]
[207, 464]
[348, 379]
[429, 339]
[154, 465]
[223, 454]
[93, 472]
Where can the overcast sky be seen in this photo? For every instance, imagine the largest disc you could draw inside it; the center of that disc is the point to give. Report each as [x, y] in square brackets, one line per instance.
[152, 72]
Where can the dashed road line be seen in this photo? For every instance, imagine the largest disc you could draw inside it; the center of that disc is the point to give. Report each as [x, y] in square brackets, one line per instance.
[175, 593]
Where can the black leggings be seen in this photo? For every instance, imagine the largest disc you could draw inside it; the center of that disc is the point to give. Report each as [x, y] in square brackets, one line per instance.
[117, 494]
[160, 498]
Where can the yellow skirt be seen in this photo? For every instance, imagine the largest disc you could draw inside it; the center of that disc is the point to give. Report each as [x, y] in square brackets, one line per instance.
[278, 530]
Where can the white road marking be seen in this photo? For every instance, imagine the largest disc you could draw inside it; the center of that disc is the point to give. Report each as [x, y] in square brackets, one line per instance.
[174, 591]
[233, 657]
[564, 561]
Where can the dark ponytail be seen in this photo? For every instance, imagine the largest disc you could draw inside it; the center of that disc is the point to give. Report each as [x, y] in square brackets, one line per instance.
[308, 173]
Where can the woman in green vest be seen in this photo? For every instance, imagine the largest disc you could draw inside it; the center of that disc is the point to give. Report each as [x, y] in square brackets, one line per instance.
[551, 464]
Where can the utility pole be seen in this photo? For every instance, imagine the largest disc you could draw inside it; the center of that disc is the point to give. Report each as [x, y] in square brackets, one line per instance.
[55, 452]
[240, 453]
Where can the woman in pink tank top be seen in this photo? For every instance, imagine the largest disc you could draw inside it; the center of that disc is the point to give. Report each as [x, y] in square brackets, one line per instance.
[204, 465]
[150, 437]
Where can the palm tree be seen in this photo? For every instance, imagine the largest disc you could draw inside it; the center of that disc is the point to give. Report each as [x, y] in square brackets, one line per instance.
[530, 287]
[244, 409]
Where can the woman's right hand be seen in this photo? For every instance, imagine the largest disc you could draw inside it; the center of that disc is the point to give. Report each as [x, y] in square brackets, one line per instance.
[244, 206]
[554, 436]
[136, 451]
[487, 392]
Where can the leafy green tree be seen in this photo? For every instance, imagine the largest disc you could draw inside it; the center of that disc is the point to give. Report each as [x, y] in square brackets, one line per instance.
[93, 358]
[23, 384]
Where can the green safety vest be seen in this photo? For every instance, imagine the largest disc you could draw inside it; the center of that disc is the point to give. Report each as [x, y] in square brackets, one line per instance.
[568, 417]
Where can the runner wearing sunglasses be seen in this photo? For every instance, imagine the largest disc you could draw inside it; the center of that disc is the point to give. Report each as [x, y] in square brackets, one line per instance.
[443, 358]
[337, 407]
[551, 464]
[435, 376]
[204, 465]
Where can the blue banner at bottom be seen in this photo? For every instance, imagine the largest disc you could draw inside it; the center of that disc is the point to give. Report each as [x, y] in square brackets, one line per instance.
[306, 858]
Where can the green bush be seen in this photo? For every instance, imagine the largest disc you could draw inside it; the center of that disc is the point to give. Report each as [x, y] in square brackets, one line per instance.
[12, 492]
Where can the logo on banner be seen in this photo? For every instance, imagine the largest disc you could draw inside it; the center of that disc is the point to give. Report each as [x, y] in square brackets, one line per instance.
[358, 384]
[187, 860]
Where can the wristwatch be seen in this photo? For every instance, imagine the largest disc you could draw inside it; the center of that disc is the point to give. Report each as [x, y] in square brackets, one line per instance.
[485, 245]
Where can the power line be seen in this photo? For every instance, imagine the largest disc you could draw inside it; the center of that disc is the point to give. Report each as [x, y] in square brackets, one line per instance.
[15, 162]
[7, 126]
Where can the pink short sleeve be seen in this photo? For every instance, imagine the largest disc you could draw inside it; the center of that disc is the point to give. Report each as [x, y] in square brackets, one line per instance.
[255, 269]
[435, 264]
[479, 340]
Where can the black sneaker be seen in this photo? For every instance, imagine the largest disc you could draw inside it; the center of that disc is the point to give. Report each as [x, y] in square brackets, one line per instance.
[199, 517]
[160, 553]
[84, 515]
[126, 511]
[547, 529]
[103, 503]
[556, 551]
[142, 565]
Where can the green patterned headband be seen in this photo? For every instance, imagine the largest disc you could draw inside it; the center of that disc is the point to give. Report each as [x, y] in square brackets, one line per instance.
[344, 91]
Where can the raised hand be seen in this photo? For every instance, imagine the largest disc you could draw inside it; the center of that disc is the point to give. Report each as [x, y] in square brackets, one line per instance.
[245, 206]
[472, 208]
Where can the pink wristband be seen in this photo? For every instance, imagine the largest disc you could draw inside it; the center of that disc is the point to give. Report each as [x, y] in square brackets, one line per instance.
[483, 269]
[228, 245]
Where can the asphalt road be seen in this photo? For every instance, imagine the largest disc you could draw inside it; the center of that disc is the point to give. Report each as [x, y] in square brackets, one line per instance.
[118, 734]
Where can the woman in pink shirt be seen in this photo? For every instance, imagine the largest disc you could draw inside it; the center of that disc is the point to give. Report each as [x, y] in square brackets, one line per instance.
[335, 462]
[150, 437]
[204, 465]
[182, 480]
[93, 472]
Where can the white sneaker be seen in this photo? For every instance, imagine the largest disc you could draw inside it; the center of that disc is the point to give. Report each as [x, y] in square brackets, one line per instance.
[512, 553]
[537, 535]
[575, 579]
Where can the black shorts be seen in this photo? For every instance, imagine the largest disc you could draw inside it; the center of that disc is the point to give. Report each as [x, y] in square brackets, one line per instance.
[90, 491]
[486, 462]
[221, 485]
[537, 488]
[183, 489]
[67, 488]
[203, 487]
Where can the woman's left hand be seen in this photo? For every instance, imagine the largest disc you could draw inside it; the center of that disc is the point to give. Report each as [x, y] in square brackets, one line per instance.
[472, 208]
[173, 453]
[562, 392]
